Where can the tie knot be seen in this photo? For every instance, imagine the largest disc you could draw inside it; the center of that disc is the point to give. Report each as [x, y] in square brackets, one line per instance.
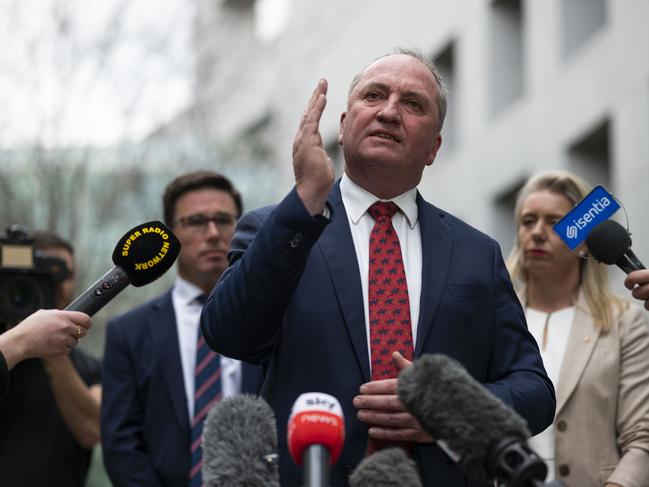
[383, 208]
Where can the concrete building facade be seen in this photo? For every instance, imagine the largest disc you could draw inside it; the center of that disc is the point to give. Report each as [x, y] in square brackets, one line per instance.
[535, 84]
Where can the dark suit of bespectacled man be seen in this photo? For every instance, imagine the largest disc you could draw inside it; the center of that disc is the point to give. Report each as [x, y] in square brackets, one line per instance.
[160, 380]
[296, 294]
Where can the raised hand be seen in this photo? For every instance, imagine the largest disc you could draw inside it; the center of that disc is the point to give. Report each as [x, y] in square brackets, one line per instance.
[314, 171]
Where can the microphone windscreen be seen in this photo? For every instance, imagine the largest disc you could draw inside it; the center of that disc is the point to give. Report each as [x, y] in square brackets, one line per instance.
[391, 467]
[146, 252]
[316, 419]
[240, 444]
[452, 406]
[608, 241]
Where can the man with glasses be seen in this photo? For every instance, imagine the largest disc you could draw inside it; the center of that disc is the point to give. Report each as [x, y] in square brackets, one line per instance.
[160, 379]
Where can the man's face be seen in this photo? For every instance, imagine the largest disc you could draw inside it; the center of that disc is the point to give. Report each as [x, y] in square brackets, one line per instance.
[202, 258]
[390, 129]
[64, 291]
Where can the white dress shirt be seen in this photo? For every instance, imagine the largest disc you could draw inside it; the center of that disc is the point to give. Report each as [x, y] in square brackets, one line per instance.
[559, 324]
[405, 222]
[188, 312]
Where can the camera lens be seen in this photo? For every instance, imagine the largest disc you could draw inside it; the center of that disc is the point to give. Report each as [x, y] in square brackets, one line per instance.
[20, 296]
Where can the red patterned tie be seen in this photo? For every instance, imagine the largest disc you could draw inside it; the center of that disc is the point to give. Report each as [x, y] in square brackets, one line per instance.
[389, 306]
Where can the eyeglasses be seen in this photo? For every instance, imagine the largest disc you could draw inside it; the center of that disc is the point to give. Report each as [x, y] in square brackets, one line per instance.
[198, 223]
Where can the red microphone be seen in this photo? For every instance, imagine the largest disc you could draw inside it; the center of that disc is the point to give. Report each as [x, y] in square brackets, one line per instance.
[316, 434]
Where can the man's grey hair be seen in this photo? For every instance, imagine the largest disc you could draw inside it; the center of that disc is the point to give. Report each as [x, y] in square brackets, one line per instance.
[442, 90]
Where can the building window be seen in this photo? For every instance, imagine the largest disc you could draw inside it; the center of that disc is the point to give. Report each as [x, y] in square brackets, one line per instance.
[446, 65]
[580, 19]
[503, 223]
[506, 58]
[590, 154]
[239, 4]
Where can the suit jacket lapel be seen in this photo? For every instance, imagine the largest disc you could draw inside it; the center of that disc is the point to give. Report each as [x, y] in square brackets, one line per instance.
[436, 245]
[162, 328]
[337, 248]
[581, 342]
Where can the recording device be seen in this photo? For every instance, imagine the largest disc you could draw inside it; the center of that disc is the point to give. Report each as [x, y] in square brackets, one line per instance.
[27, 278]
[316, 435]
[141, 256]
[391, 467]
[489, 437]
[610, 243]
[240, 444]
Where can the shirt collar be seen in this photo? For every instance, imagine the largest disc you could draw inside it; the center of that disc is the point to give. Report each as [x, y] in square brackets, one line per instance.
[358, 200]
[186, 291]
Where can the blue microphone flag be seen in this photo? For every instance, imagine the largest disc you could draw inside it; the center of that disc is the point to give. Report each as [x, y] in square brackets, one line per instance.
[597, 206]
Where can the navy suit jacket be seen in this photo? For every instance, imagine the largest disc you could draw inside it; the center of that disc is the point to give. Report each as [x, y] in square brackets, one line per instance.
[291, 299]
[145, 429]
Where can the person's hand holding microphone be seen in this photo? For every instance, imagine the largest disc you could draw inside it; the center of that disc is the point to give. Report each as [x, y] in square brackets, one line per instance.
[45, 333]
[638, 283]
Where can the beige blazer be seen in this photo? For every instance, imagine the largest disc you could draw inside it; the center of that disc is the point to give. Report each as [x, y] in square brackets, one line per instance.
[601, 425]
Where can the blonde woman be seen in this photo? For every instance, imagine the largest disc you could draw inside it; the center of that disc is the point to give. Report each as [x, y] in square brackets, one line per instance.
[595, 346]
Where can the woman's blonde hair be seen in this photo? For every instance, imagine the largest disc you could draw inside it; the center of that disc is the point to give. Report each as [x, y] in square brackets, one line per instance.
[593, 280]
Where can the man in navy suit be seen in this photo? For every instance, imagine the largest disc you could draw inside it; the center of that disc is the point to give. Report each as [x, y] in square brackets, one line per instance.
[150, 408]
[297, 296]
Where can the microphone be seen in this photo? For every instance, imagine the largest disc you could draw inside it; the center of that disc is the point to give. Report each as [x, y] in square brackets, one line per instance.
[391, 467]
[610, 243]
[240, 444]
[489, 437]
[316, 434]
[142, 255]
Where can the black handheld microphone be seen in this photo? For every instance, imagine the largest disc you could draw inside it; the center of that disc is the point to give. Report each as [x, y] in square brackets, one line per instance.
[240, 444]
[391, 467]
[610, 243]
[489, 437]
[142, 255]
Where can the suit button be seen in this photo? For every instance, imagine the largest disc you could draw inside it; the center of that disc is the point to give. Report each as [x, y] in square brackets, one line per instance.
[348, 470]
[562, 426]
[296, 240]
[564, 470]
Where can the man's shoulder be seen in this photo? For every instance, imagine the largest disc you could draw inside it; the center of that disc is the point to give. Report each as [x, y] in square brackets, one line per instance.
[261, 212]
[290, 210]
[138, 314]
